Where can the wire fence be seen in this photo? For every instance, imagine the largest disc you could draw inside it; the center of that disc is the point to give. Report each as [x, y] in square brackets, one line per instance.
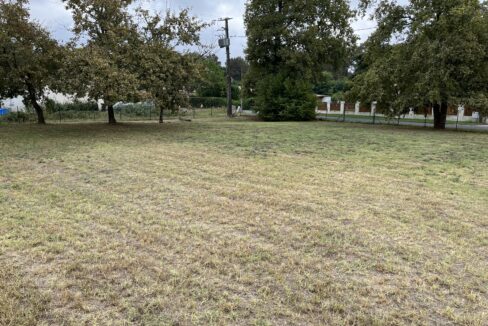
[122, 115]
[453, 122]
[152, 114]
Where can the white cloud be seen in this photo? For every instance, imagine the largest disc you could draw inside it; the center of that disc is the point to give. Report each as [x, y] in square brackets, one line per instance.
[53, 15]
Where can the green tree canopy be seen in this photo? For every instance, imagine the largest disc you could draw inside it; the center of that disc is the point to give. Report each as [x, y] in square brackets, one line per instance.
[425, 52]
[212, 82]
[289, 42]
[238, 68]
[103, 54]
[165, 73]
[29, 58]
[335, 86]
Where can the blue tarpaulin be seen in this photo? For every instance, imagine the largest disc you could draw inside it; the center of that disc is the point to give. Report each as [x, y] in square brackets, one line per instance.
[3, 111]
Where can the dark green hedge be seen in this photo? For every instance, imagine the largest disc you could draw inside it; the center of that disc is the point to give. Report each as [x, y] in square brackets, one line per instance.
[208, 102]
[52, 106]
[220, 102]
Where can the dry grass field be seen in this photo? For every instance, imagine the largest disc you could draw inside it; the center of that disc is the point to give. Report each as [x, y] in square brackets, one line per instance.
[242, 223]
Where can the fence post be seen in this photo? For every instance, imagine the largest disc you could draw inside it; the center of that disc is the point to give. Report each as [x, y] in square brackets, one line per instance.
[59, 113]
[457, 119]
[373, 110]
[459, 115]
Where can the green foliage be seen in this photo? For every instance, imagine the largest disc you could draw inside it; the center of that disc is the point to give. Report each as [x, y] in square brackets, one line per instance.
[208, 102]
[135, 109]
[212, 83]
[218, 102]
[327, 84]
[281, 98]
[102, 59]
[72, 115]
[441, 57]
[249, 104]
[15, 117]
[289, 43]
[238, 68]
[479, 102]
[165, 73]
[53, 106]
[131, 55]
[29, 57]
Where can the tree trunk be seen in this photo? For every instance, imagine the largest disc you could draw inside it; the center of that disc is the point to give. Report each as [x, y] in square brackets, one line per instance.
[111, 114]
[37, 107]
[39, 112]
[161, 113]
[440, 115]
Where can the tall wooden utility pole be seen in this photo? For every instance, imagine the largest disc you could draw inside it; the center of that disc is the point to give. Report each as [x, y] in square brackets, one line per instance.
[226, 43]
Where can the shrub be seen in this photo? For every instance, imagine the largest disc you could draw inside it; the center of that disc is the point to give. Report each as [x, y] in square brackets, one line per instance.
[53, 106]
[249, 104]
[281, 98]
[73, 115]
[213, 102]
[208, 102]
[15, 117]
[136, 110]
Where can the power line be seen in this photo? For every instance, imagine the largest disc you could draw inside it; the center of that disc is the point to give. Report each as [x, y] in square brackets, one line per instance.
[356, 30]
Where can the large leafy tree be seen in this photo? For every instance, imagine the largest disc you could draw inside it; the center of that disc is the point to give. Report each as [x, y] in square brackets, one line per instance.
[212, 79]
[104, 51]
[387, 82]
[29, 57]
[238, 68]
[477, 97]
[165, 73]
[425, 52]
[289, 42]
[330, 84]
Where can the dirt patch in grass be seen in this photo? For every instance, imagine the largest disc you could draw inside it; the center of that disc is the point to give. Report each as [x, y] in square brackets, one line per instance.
[244, 222]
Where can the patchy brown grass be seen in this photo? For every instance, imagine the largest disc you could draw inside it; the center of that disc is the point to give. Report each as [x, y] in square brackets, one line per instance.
[217, 222]
[20, 302]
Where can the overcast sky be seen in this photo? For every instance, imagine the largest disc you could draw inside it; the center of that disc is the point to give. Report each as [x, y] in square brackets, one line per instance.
[53, 15]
